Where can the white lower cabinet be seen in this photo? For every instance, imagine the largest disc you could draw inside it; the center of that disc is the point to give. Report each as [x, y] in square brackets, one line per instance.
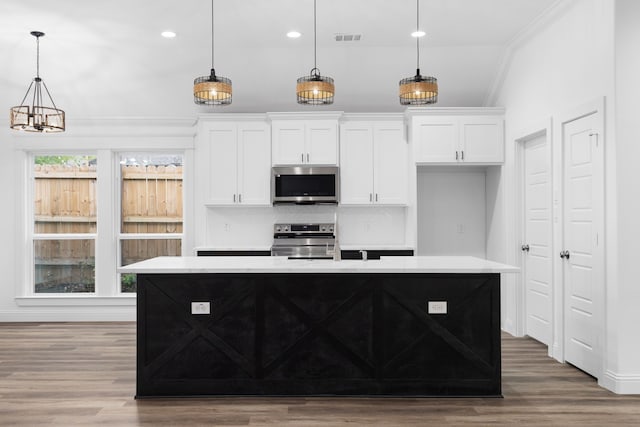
[239, 164]
[458, 139]
[373, 163]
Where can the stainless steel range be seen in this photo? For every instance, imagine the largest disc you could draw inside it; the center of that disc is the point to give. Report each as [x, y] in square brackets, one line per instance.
[304, 241]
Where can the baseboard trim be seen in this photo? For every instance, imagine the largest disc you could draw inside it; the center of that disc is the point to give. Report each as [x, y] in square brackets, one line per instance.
[621, 384]
[106, 314]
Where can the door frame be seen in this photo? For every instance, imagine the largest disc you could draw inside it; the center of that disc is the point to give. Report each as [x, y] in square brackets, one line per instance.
[596, 106]
[541, 128]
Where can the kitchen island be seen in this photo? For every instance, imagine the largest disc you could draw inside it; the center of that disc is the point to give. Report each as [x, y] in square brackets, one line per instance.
[268, 326]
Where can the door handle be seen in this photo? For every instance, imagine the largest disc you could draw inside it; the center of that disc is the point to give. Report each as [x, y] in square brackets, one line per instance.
[525, 248]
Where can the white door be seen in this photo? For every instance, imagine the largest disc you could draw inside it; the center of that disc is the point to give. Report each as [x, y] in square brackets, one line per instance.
[356, 160]
[321, 142]
[537, 256]
[254, 164]
[583, 279]
[288, 142]
[390, 164]
[222, 166]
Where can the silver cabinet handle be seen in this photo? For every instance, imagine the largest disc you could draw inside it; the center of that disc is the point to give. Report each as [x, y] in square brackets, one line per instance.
[525, 248]
[456, 154]
[376, 197]
[462, 155]
[239, 198]
[301, 157]
[371, 197]
[564, 254]
[307, 157]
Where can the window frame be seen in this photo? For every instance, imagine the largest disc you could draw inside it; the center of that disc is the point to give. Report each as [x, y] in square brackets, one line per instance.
[120, 236]
[107, 290]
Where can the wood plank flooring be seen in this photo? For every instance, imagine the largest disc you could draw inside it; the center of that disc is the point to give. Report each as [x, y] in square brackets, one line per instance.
[83, 374]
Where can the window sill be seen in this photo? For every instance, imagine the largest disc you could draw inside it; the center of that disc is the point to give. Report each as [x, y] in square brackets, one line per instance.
[76, 300]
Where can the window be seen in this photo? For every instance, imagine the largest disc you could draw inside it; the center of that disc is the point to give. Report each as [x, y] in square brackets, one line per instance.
[150, 209]
[64, 223]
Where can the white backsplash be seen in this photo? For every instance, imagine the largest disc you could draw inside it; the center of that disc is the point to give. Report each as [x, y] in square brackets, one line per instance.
[252, 228]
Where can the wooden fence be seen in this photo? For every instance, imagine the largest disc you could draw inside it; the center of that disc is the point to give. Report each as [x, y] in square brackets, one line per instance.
[65, 202]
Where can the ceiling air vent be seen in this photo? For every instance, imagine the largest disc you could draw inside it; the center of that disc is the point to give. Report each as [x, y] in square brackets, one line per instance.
[348, 37]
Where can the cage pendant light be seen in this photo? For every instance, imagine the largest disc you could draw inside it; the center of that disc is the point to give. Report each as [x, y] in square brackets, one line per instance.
[315, 89]
[418, 90]
[37, 117]
[212, 89]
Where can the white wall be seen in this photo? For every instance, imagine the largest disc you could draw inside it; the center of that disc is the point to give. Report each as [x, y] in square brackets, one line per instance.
[566, 61]
[451, 211]
[252, 227]
[624, 315]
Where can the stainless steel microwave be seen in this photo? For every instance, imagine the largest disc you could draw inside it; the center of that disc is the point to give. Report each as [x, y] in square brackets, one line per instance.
[305, 184]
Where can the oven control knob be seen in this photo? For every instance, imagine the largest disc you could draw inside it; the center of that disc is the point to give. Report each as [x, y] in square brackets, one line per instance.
[323, 228]
[278, 229]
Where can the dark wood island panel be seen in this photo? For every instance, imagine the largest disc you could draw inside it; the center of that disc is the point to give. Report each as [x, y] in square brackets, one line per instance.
[281, 334]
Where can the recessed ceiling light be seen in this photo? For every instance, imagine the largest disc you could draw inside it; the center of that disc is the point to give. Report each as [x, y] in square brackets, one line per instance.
[168, 34]
[418, 34]
[293, 34]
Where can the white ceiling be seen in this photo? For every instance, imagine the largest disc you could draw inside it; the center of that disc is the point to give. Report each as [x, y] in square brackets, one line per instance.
[108, 59]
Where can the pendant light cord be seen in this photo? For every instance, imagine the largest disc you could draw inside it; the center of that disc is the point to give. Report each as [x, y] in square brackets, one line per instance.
[418, 38]
[38, 57]
[212, 39]
[315, 54]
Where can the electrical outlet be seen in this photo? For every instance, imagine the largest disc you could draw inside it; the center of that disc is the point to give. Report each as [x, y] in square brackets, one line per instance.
[201, 308]
[437, 307]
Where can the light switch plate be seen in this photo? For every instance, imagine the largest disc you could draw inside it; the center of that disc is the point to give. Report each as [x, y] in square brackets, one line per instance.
[203, 307]
[437, 307]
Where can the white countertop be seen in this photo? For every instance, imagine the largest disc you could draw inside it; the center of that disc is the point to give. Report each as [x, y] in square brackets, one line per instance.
[395, 264]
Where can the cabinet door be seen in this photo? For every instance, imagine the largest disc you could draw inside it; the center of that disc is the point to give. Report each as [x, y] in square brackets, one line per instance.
[254, 164]
[222, 165]
[482, 139]
[288, 138]
[435, 139]
[390, 164]
[356, 160]
[321, 142]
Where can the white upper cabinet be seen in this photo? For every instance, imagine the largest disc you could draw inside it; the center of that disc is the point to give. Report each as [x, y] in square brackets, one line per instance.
[312, 142]
[239, 164]
[373, 163]
[458, 139]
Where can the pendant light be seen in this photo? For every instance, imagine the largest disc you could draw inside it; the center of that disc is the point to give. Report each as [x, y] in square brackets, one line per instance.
[418, 90]
[212, 89]
[315, 89]
[37, 117]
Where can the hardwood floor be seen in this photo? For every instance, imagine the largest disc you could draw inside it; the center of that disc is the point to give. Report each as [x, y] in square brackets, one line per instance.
[70, 374]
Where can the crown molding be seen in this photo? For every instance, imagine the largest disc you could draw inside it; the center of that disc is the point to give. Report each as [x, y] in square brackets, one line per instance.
[306, 115]
[546, 18]
[371, 116]
[453, 111]
[232, 117]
